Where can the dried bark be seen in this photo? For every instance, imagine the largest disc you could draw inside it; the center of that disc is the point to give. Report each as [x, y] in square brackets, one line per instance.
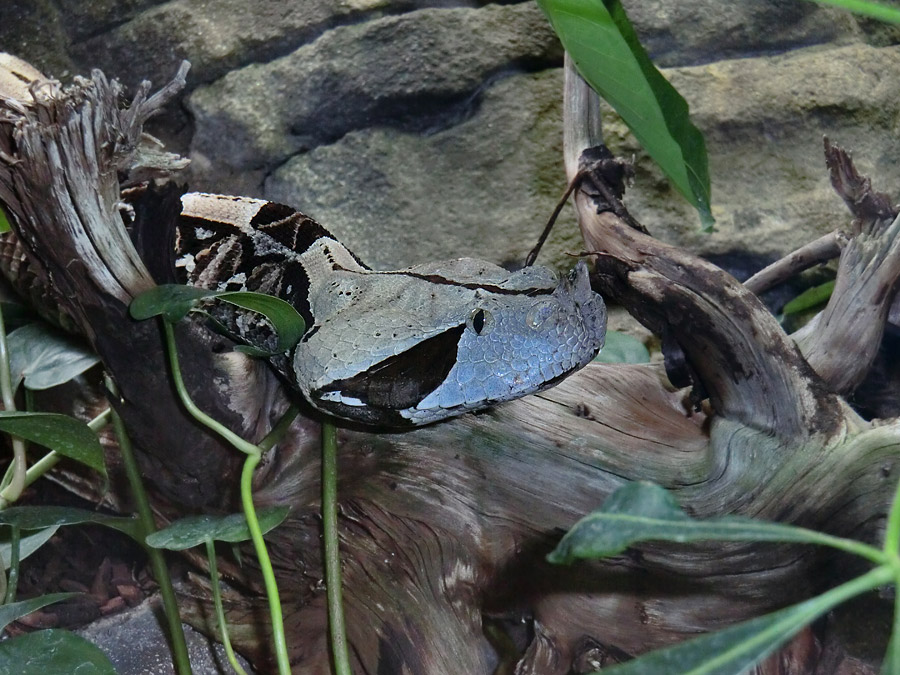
[445, 528]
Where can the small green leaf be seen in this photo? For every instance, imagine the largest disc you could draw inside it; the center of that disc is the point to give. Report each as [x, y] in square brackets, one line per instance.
[641, 511]
[622, 348]
[195, 530]
[608, 54]
[61, 433]
[28, 544]
[4, 222]
[172, 301]
[45, 358]
[52, 652]
[288, 323]
[15, 610]
[34, 517]
[810, 298]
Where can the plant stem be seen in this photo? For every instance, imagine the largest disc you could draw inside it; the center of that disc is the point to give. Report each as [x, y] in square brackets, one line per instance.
[253, 456]
[892, 528]
[265, 563]
[333, 583]
[223, 431]
[52, 458]
[220, 611]
[280, 429]
[17, 483]
[13, 580]
[891, 663]
[147, 525]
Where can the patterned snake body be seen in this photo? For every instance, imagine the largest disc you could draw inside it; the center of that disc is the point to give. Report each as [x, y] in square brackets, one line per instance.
[391, 348]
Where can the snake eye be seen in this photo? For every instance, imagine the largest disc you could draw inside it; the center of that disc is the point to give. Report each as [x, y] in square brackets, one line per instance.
[481, 321]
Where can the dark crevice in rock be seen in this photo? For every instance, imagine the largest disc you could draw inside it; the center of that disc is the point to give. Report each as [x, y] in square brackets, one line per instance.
[418, 114]
[86, 20]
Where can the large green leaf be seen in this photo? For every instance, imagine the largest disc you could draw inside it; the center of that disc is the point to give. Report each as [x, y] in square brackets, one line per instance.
[28, 544]
[195, 530]
[61, 433]
[4, 222]
[45, 358]
[173, 302]
[641, 511]
[733, 650]
[35, 517]
[876, 10]
[14, 610]
[622, 348]
[608, 54]
[52, 652]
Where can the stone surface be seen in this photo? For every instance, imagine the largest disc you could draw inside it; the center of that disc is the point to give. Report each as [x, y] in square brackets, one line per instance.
[485, 186]
[700, 31]
[413, 71]
[216, 36]
[135, 643]
[34, 31]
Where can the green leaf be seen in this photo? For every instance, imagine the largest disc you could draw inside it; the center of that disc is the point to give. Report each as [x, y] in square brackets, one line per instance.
[61, 433]
[15, 610]
[641, 511]
[810, 298]
[45, 358]
[173, 302]
[52, 652]
[609, 56]
[733, 650]
[876, 10]
[35, 517]
[27, 545]
[4, 222]
[195, 530]
[622, 348]
[288, 323]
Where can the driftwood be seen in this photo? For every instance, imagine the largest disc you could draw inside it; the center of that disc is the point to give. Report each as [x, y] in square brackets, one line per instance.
[444, 529]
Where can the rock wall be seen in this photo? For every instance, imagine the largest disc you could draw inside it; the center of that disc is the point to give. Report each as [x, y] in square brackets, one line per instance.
[419, 129]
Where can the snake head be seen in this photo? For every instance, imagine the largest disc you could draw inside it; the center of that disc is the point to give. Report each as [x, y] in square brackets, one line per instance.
[419, 345]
